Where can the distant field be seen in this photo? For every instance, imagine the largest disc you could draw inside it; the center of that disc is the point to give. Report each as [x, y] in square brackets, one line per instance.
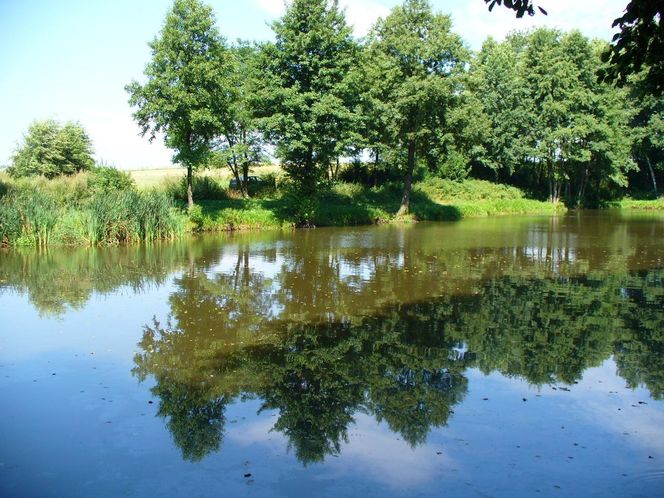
[155, 177]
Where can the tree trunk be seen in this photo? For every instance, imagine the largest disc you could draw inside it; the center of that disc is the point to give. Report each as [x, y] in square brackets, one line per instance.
[375, 168]
[408, 183]
[190, 182]
[245, 178]
[652, 175]
[582, 188]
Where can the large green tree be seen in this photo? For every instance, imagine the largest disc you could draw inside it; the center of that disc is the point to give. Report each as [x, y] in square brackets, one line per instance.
[185, 97]
[51, 149]
[638, 46]
[647, 128]
[412, 61]
[554, 127]
[499, 85]
[305, 99]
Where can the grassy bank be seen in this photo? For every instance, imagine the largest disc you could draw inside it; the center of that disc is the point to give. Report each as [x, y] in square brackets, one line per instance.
[345, 204]
[107, 207]
[646, 205]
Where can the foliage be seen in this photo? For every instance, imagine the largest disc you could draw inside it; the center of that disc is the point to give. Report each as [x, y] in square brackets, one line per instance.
[638, 46]
[521, 7]
[412, 59]
[241, 144]
[42, 212]
[28, 217]
[647, 127]
[551, 125]
[469, 190]
[107, 178]
[129, 216]
[186, 96]
[305, 97]
[50, 149]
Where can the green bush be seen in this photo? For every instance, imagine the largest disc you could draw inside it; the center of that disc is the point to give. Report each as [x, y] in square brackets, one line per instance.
[203, 188]
[443, 190]
[51, 149]
[106, 178]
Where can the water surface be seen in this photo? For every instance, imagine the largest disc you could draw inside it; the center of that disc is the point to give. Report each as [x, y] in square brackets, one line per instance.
[508, 357]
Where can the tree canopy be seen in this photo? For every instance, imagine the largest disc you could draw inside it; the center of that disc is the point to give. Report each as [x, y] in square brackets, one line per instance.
[638, 45]
[304, 96]
[412, 60]
[51, 149]
[185, 97]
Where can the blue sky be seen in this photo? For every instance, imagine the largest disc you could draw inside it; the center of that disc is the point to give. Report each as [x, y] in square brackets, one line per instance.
[70, 59]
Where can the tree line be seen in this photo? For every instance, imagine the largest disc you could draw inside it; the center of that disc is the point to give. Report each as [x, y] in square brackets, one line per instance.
[408, 100]
[528, 111]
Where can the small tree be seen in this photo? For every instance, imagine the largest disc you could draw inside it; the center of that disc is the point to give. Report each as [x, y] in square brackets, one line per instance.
[185, 97]
[51, 149]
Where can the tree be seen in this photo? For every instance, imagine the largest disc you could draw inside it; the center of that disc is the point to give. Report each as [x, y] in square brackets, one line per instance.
[412, 60]
[638, 45]
[521, 7]
[51, 149]
[497, 82]
[186, 96]
[305, 98]
[241, 144]
[647, 127]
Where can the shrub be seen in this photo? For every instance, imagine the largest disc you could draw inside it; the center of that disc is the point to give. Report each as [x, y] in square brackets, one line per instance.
[469, 190]
[106, 178]
[203, 188]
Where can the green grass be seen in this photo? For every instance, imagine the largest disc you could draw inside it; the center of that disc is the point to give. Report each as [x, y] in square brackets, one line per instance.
[66, 211]
[238, 214]
[345, 204]
[100, 208]
[647, 205]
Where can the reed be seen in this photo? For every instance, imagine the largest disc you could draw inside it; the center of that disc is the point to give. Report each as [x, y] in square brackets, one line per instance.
[126, 216]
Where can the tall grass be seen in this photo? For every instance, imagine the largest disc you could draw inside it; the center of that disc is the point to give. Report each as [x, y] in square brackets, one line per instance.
[28, 217]
[203, 188]
[130, 216]
[41, 212]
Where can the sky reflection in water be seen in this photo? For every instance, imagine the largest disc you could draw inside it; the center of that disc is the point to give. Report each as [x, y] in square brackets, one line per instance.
[502, 357]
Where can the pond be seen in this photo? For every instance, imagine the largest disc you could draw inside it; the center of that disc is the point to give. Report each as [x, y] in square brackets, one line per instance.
[509, 356]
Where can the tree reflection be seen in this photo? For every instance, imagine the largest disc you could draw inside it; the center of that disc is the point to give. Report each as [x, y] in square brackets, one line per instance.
[195, 420]
[404, 364]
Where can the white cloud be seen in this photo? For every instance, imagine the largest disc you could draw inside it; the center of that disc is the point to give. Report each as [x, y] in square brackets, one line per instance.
[474, 22]
[363, 14]
[274, 8]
